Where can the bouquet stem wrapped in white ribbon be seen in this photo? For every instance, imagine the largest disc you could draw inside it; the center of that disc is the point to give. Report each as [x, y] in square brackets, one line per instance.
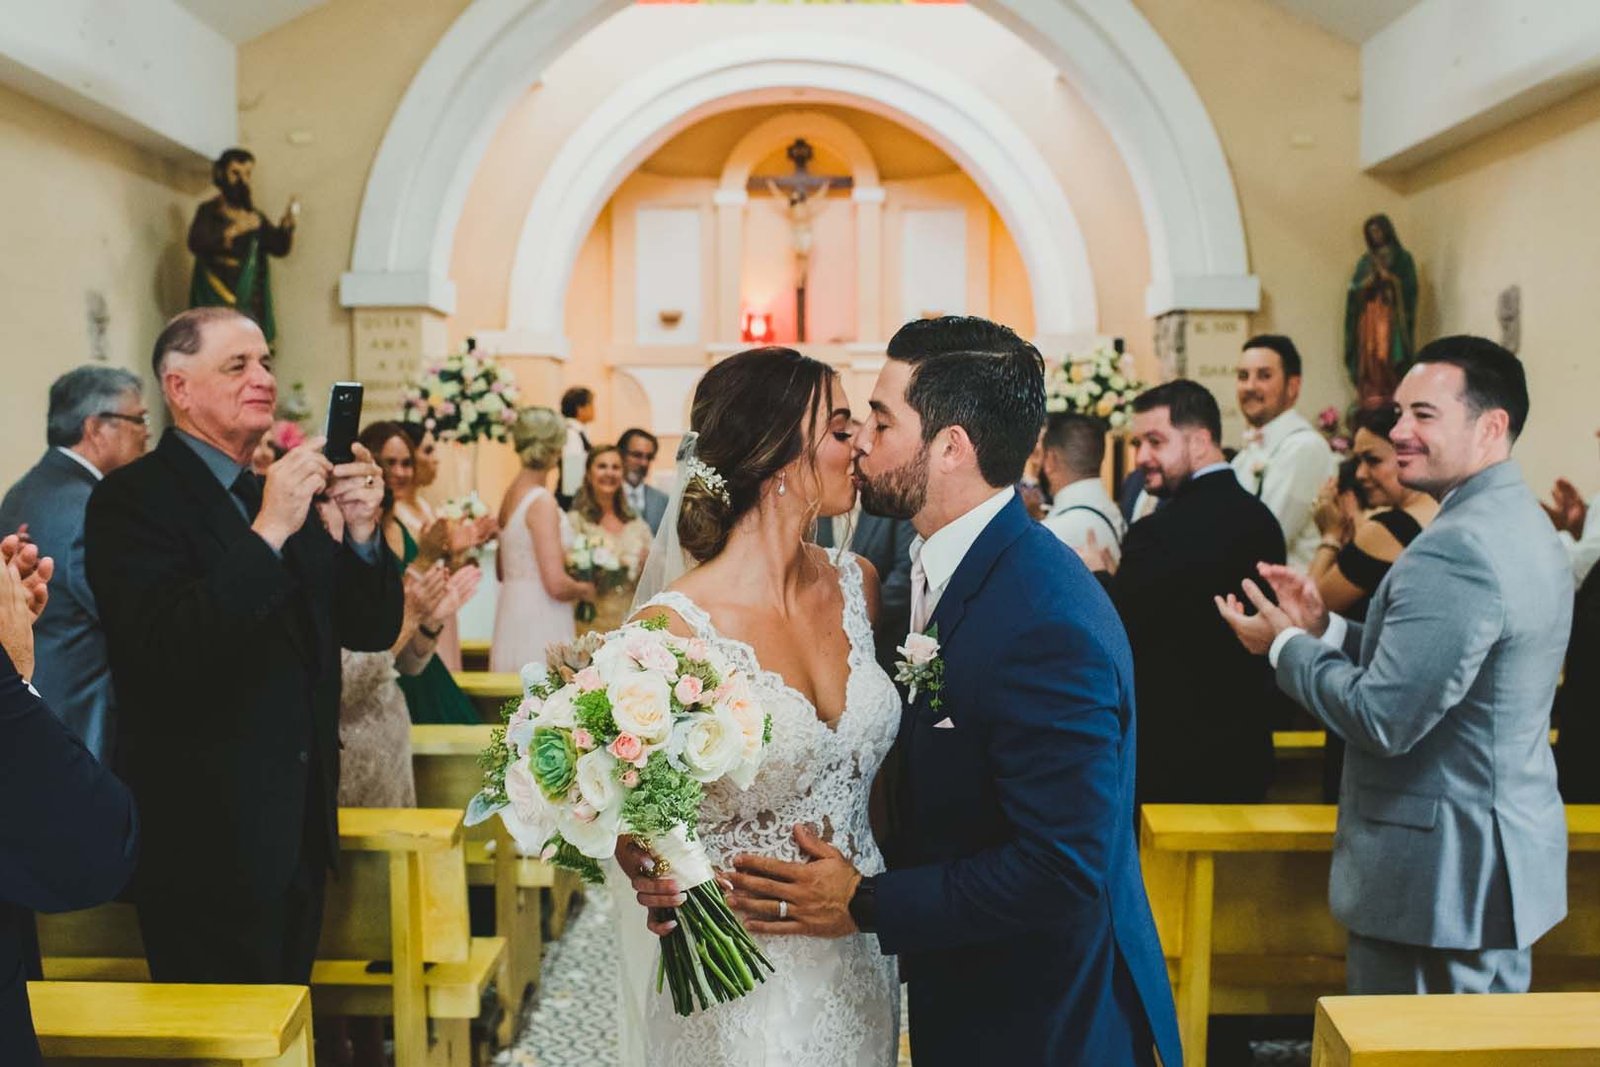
[623, 743]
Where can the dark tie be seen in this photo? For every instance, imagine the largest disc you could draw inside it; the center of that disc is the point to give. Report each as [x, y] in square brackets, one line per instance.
[247, 487]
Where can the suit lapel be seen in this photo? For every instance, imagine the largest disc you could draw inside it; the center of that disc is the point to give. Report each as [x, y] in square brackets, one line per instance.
[67, 469]
[1004, 529]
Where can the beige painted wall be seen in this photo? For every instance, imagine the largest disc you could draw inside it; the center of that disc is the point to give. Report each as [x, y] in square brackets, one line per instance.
[84, 210]
[1284, 97]
[1519, 208]
[315, 97]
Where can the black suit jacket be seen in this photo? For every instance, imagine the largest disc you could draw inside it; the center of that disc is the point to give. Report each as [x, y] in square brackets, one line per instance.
[69, 841]
[1577, 711]
[225, 660]
[1206, 706]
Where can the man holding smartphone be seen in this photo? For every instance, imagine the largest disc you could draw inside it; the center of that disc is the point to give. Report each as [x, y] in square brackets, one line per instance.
[225, 602]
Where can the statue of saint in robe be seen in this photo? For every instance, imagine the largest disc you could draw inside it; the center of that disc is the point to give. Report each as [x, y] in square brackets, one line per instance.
[1380, 330]
[231, 241]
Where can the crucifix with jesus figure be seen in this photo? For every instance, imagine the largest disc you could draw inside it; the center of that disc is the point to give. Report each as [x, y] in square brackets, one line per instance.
[806, 196]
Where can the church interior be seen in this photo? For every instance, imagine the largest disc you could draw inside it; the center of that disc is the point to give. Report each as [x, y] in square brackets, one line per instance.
[619, 195]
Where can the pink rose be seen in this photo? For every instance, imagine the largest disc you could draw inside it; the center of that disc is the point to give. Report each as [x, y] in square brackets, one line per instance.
[447, 407]
[525, 711]
[583, 811]
[626, 748]
[588, 679]
[583, 739]
[697, 649]
[630, 779]
[688, 690]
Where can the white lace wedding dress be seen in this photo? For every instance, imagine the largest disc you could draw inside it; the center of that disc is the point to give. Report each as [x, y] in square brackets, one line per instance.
[832, 1003]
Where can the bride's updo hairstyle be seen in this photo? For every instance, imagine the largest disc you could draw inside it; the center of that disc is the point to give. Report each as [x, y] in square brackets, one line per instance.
[754, 413]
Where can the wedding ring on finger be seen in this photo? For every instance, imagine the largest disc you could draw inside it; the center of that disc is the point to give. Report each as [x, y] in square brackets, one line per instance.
[368, 482]
[783, 909]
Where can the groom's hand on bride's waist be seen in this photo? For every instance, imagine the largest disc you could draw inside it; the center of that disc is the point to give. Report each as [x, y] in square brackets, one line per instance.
[811, 898]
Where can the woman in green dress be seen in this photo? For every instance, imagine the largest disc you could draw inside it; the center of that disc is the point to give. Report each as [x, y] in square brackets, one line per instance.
[432, 696]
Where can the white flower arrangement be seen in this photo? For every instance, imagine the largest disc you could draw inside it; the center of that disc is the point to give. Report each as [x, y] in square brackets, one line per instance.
[464, 397]
[1100, 382]
[622, 743]
[708, 476]
[466, 507]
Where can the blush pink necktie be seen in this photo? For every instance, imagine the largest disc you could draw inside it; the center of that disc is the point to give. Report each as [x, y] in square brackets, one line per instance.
[919, 592]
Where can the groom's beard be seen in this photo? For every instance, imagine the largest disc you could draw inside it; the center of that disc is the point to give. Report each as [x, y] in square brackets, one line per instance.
[896, 494]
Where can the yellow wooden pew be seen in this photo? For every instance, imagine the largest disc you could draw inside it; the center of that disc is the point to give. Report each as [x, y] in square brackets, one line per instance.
[475, 653]
[395, 939]
[489, 690]
[1523, 1030]
[445, 758]
[1240, 895]
[247, 1026]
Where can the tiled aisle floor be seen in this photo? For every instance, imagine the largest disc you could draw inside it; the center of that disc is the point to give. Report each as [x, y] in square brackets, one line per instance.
[571, 1026]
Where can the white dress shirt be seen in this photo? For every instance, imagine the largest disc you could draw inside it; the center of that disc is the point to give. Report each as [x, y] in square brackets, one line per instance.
[1333, 637]
[90, 467]
[938, 556]
[1286, 464]
[1584, 551]
[574, 458]
[1081, 507]
[635, 496]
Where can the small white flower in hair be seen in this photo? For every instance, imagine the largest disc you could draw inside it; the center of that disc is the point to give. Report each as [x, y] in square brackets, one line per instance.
[708, 477]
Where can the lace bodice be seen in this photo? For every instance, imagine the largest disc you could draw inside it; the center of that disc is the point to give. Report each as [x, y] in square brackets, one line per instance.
[831, 1001]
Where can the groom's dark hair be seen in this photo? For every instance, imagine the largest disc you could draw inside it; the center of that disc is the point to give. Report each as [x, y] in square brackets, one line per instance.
[1189, 405]
[979, 375]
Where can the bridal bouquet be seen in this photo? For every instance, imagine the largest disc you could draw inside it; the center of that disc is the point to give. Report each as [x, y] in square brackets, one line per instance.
[1099, 383]
[464, 397]
[623, 742]
[469, 507]
[592, 559]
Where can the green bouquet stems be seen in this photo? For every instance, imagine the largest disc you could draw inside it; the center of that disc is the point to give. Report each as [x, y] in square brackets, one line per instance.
[709, 957]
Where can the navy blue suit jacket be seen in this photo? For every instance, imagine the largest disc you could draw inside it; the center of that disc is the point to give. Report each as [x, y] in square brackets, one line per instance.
[1019, 909]
[68, 841]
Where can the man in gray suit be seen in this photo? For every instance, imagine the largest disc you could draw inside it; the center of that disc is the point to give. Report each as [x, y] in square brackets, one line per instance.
[886, 544]
[97, 423]
[1450, 858]
[638, 448]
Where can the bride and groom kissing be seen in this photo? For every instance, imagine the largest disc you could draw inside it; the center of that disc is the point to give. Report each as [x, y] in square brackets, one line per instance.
[1014, 902]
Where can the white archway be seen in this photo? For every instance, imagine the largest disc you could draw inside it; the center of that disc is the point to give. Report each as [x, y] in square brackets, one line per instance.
[781, 130]
[647, 111]
[497, 48]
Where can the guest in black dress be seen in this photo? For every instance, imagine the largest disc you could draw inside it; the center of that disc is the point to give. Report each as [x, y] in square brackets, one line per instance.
[1576, 713]
[1358, 550]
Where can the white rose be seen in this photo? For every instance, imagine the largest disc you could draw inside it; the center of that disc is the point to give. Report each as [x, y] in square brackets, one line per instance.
[641, 704]
[469, 413]
[613, 662]
[492, 404]
[534, 675]
[591, 832]
[709, 745]
[558, 710]
[597, 780]
[919, 649]
[530, 818]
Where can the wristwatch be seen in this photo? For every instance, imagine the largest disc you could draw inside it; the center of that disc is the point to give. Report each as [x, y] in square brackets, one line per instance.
[864, 905]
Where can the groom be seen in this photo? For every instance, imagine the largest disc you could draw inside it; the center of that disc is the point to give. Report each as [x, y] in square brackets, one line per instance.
[1018, 908]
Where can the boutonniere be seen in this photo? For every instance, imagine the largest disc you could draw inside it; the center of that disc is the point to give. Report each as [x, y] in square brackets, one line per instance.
[921, 667]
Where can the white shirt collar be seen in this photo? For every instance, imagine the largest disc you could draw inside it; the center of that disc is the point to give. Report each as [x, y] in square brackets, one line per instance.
[942, 553]
[1210, 469]
[1289, 422]
[1089, 491]
[90, 467]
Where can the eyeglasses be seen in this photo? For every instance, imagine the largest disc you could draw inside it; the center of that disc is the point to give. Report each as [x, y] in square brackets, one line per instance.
[648, 457]
[142, 420]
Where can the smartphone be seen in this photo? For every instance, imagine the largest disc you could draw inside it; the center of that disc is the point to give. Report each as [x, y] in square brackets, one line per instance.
[344, 421]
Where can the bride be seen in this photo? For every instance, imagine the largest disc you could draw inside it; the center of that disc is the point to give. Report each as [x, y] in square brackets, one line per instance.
[774, 439]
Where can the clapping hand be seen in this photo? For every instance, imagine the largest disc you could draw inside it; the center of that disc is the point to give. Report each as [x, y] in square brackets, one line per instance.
[425, 589]
[1095, 556]
[459, 587]
[1566, 509]
[1329, 514]
[34, 570]
[16, 616]
[1299, 606]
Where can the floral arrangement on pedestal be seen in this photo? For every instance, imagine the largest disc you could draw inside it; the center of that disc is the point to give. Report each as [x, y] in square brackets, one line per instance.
[464, 397]
[1099, 382]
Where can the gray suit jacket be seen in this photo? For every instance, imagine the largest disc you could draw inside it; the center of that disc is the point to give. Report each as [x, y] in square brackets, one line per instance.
[886, 544]
[1451, 832]
[71, 671]
[655, 507]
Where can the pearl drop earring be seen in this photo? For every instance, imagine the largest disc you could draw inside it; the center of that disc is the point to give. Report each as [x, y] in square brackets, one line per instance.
[783, 483]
